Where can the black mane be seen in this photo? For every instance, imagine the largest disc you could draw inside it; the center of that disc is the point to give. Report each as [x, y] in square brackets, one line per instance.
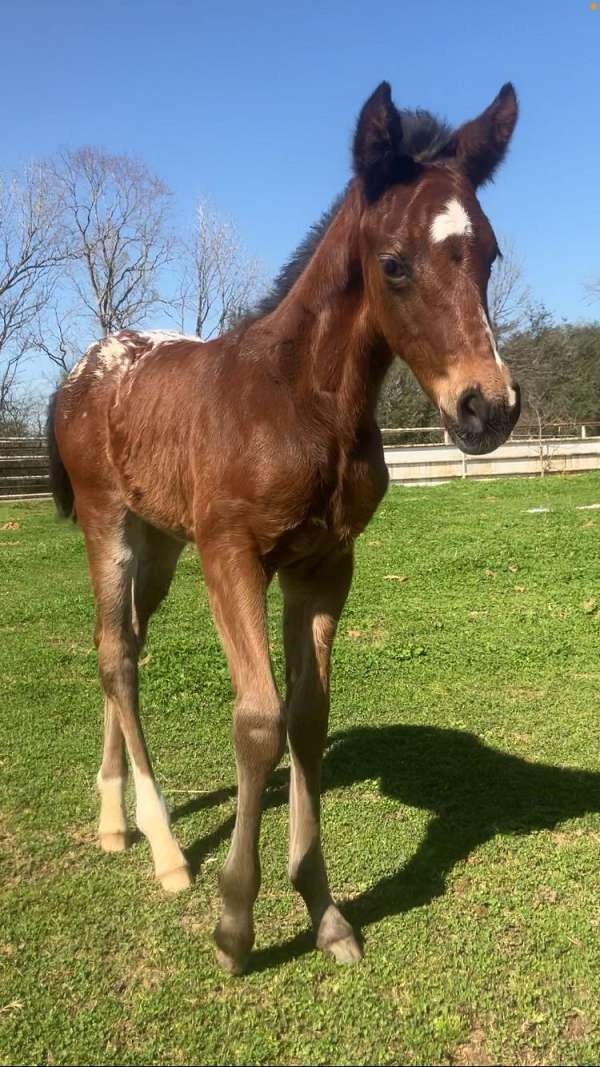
[298, 261]
[424, 138]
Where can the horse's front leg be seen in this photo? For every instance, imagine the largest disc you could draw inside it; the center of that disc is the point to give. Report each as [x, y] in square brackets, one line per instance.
[313, 604]
[237, 584]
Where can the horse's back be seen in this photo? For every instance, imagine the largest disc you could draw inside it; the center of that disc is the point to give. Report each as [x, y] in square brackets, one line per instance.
[121, 419]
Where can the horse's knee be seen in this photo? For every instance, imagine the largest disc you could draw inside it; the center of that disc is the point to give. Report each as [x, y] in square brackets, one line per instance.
[259, 735]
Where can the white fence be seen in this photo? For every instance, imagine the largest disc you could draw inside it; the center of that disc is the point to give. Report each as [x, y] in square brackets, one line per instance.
[433, 464]
[524, 431]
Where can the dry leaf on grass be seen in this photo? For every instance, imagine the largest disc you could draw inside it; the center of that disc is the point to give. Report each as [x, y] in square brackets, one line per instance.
[473, 1051]
[577, 1026]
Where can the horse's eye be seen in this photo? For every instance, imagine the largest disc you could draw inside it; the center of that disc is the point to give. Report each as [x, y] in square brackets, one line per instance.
[394, 269]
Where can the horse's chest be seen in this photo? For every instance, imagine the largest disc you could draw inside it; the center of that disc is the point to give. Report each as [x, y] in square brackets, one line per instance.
[337, 516]
[361, 486]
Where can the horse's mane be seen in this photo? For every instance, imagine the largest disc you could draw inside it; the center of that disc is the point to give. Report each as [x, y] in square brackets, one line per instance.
[424, 138]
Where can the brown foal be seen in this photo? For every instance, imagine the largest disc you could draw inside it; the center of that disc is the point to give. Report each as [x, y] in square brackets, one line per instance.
[262, 447]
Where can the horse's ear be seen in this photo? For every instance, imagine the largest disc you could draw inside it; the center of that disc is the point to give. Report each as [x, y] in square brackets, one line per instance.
[480, 145]
[377, 150]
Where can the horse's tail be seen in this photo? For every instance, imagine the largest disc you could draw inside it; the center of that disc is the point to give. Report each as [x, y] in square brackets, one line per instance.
[60, 483]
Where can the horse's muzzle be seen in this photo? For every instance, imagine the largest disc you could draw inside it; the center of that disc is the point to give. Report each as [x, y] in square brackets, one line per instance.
[481, 425]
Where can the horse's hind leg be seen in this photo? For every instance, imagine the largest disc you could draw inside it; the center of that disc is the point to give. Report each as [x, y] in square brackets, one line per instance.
[157, 555]
[156, 559]
[111, 780]
[127, 589]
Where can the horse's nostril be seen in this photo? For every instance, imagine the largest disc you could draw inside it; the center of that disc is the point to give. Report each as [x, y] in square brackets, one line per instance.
[481, 424]
[472, 408]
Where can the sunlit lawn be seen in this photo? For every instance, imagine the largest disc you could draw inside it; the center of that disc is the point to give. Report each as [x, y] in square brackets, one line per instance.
[461, 812]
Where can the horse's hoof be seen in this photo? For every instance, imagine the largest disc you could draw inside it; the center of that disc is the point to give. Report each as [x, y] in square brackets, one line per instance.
[229, 964]
[233, 944]
[113, 842]
[176, 881]
[337, 937]
[346, 950]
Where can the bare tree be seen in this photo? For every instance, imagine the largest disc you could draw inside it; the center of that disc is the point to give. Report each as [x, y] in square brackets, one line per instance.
[508, 297]
[536, 355]
[58, 335]
[116, 211]
[218, 279]
[32, 246]
[593, 290]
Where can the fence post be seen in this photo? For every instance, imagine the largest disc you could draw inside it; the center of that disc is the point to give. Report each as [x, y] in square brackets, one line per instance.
[464, 465]
[583, 433]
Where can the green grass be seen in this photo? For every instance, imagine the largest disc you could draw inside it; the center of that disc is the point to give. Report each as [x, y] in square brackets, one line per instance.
[461, 814]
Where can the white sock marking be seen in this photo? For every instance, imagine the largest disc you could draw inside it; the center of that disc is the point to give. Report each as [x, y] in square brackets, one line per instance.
[112, 812]
[152, 818]
[151, 813]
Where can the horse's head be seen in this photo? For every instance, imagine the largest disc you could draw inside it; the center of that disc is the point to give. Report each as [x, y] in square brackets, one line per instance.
[426, 250]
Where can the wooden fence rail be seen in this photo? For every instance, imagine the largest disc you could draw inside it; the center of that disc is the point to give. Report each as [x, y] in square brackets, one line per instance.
[23, 467]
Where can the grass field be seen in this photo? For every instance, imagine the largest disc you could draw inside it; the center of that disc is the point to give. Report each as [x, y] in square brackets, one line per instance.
[461, 812]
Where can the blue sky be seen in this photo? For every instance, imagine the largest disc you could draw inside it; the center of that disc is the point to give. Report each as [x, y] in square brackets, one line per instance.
[253, 104]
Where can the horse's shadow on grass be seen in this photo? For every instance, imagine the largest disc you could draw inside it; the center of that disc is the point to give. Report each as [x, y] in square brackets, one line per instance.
[473, 792]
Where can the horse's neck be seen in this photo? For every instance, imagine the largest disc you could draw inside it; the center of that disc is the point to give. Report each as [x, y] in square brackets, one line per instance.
[325, 321]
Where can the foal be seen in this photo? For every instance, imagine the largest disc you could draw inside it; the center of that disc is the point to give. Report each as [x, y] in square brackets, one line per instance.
[262, 447]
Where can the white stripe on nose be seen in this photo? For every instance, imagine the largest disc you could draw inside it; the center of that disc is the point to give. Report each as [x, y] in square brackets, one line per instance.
[492, 339]
[512, 396]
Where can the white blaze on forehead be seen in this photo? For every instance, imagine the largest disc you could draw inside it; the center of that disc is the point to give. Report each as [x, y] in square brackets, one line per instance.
[453, 221]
